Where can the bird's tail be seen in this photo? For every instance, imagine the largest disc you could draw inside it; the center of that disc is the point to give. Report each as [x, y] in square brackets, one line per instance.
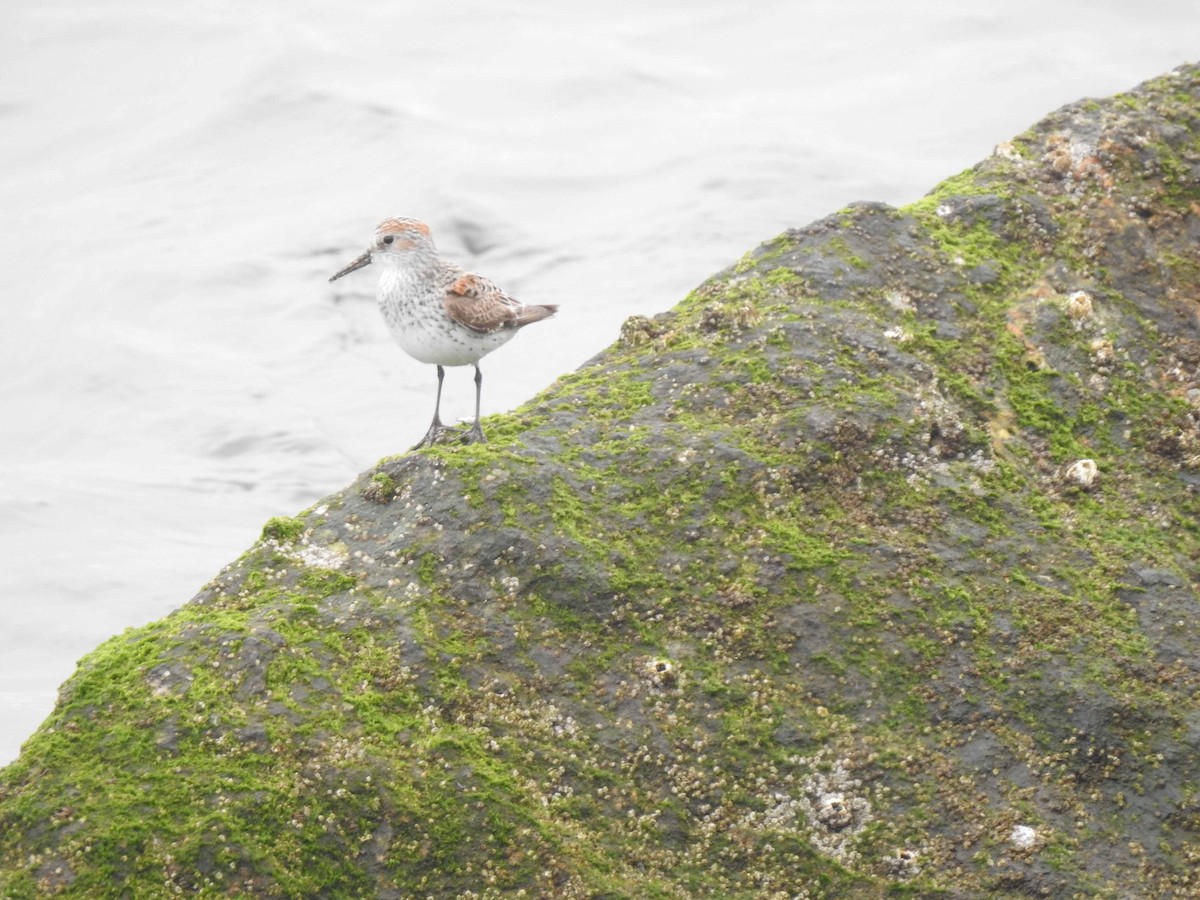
[530, 314]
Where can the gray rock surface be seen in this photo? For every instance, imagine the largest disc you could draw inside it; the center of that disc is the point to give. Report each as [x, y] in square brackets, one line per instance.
[868, 569]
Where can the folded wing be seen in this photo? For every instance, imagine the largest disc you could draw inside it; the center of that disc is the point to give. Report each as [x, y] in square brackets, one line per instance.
[478, 304]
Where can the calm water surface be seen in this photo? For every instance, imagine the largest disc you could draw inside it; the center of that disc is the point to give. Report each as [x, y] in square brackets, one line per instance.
[177, 181]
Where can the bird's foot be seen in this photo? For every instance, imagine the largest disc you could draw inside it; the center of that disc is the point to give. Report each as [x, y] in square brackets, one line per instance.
[474, 435]
[435, 435]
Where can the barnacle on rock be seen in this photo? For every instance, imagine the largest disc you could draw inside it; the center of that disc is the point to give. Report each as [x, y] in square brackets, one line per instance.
[1082, 472]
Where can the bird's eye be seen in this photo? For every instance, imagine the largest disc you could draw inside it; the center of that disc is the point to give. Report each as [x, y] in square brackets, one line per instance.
[389, 238]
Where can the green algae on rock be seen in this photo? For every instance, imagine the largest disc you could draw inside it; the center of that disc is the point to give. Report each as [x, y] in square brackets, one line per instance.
[868, 570]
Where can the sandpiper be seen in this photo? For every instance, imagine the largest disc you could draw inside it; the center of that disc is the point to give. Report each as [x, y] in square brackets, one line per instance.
[440, 313]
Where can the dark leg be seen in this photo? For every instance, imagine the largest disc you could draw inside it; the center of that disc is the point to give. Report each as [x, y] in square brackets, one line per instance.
[435, 427]
[475, 435]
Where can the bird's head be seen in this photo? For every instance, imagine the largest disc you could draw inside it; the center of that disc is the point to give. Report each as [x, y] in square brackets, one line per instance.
[395, 242]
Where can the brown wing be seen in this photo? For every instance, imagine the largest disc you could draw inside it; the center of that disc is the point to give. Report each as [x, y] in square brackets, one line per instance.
[477, 303]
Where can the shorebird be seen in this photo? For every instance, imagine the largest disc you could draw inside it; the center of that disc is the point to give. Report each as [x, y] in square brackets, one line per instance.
[438, 312]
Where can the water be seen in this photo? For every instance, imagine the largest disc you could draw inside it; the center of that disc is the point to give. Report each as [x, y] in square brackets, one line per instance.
[177, 181]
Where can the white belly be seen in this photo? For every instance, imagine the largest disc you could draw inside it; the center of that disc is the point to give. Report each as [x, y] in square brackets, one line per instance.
[449, 345]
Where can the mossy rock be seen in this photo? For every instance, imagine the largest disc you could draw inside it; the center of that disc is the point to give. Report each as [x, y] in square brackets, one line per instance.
[868, 570]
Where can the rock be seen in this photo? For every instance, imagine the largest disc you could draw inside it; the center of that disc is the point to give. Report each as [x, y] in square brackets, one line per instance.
[805, 585]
